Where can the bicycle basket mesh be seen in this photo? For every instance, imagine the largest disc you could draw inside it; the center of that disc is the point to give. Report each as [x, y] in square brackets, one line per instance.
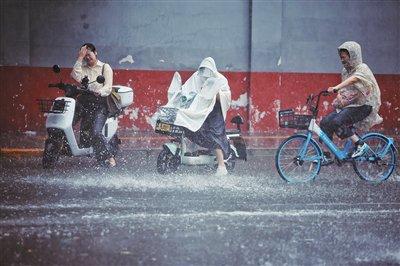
[288, 119]
[52, 106]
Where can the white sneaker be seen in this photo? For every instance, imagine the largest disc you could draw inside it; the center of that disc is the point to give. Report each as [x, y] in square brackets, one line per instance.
[359, 151]
[110, 163]
[221, 171]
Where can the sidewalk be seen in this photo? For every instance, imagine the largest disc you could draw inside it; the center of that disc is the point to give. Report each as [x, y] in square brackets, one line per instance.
[32, 143]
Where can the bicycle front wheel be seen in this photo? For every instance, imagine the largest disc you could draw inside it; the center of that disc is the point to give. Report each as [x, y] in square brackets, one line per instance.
[298, 160]
[378, 162]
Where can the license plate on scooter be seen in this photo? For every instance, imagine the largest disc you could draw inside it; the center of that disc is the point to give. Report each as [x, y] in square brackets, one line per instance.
[168, 129]
[160, 126]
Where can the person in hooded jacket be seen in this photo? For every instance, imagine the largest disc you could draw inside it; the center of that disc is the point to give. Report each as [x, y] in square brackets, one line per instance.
[358, 100]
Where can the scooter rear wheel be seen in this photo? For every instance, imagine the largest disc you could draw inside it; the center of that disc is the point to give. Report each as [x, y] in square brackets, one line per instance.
[167, 162]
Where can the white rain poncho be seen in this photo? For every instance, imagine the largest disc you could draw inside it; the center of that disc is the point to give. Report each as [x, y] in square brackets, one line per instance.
[190, 104]
[366, 86]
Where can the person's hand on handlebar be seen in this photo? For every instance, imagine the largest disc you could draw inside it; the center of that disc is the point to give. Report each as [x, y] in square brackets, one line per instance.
[97, 93]
[87, 90]
[334, 89]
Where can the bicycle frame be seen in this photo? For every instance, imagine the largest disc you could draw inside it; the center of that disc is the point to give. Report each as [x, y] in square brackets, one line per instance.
[341, 154]
[390, 143]
[302, 162]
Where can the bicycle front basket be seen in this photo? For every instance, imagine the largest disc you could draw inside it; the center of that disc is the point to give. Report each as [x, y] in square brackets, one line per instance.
[288, 119]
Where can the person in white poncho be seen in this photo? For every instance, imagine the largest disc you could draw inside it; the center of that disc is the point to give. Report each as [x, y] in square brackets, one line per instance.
[200, 106]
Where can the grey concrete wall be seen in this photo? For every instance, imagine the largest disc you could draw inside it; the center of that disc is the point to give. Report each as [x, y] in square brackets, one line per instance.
[303, 36]
[266, 35]
[157, 34]
[288, 36]
[15, 28]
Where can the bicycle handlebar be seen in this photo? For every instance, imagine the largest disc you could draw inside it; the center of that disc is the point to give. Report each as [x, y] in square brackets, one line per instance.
[311, 98]
[323, 93]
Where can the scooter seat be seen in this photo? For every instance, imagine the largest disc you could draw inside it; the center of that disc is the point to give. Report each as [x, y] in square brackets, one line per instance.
[232, 132]
[198, 153]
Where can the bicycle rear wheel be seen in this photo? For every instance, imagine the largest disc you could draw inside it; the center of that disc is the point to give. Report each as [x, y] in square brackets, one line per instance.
[375, 165]
[293, 167]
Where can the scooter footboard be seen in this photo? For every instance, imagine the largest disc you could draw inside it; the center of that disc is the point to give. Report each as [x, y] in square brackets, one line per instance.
[240, 146]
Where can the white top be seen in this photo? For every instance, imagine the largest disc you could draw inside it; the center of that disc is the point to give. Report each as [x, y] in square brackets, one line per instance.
[80, 70]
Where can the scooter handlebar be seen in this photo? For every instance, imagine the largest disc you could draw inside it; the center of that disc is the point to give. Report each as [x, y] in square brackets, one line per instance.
[70, 88]
[55, 85]
[64, 86]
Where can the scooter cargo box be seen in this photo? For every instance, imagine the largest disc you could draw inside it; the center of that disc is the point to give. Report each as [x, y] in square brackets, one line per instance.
[126, 94]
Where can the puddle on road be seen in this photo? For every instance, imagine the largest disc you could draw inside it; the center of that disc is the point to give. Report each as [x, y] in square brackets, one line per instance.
[98, 216]
[184, 181]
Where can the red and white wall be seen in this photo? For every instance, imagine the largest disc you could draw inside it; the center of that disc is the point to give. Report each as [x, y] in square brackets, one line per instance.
[273, 53]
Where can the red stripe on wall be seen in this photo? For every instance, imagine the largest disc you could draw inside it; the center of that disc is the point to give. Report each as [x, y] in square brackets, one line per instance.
[267, 93]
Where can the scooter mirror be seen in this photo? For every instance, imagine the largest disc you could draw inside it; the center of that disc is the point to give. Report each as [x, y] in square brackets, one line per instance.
[100, 79]
[56, 69]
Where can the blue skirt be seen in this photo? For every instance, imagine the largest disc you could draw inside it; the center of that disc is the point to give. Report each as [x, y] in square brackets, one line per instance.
[212, 134]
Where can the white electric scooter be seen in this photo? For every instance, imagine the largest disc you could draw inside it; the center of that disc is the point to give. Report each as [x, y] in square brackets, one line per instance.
[60, 112]
[176, 153]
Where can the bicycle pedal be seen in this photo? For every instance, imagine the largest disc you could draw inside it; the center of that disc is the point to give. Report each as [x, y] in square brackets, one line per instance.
[339, 163]
[327, 162]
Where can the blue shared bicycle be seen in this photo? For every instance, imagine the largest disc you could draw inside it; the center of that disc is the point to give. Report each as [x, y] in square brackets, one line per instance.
[299, 158]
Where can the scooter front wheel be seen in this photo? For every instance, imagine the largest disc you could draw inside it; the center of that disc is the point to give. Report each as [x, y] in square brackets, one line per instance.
[167, 162]
[51, 153]
[114, 145]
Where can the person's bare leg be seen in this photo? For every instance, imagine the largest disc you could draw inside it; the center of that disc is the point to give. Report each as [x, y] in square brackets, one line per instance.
[221, 169]
[220, 157]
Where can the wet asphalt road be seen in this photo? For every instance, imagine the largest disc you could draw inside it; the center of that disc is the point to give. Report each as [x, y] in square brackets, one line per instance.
[80, 214]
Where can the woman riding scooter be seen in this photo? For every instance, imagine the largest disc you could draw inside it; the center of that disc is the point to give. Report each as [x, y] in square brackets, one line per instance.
[200, 106]
[92, 108]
